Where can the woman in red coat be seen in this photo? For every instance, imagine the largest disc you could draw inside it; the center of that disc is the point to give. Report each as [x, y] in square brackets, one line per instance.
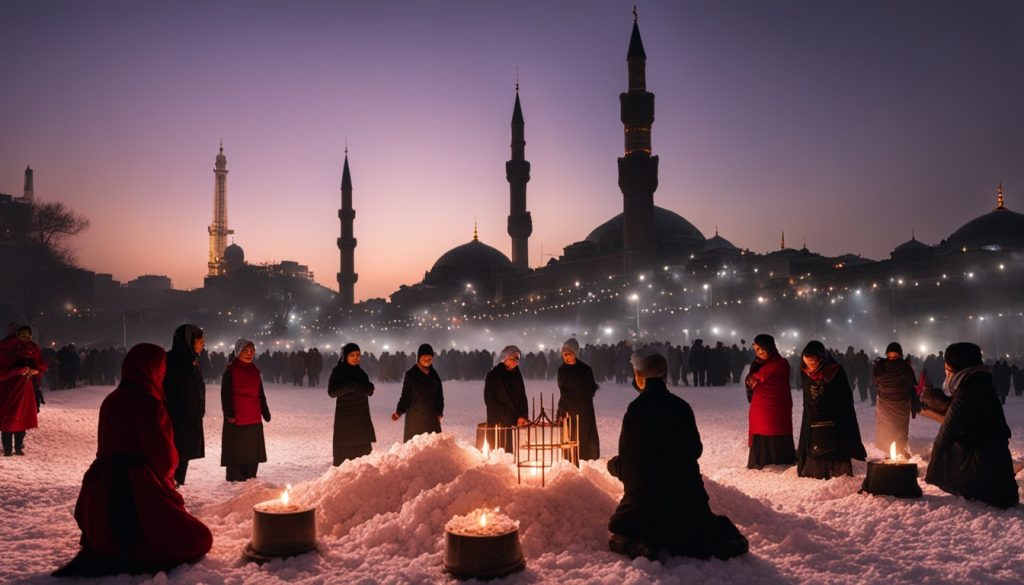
[243, 446]
[132, 519]
[21, 365]
[771, 407]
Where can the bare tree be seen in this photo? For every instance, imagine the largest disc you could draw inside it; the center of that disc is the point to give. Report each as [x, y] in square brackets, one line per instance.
[53, 223]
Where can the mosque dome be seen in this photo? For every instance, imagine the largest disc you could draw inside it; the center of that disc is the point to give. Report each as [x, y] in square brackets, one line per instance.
[474, 262]
[996, 230]
[234, 253]
[670, 229]
[718, 243]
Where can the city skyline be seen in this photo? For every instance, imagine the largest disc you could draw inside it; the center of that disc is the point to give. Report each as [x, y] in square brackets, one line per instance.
[845, 126]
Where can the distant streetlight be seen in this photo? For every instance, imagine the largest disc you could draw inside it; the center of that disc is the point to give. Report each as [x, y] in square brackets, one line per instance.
[636, 299]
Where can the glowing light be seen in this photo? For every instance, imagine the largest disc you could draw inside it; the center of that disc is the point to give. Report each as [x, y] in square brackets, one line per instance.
[483, 518]
[285, 498]
[487, 449]
[634, 297]
[714, 330]
[892, 451]
[607, 330]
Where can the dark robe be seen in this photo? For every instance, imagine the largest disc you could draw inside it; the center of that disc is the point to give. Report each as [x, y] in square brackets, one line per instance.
[895, 380]
[353, 428]
[185, 394]
[505, 396]
[422, 402]
[576, 387]
[664, 501]
[828, 397]
[132, 519]
[971, 456]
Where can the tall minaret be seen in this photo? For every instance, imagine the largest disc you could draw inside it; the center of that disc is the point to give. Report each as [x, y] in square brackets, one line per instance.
[29, 193]
[347, 276]
[218, 230]
[638, 170]
[517, 171]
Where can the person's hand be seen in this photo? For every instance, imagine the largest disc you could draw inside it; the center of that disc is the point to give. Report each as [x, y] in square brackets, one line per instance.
[522, 422]
[395, 416]
[32, 372]
[24, 371]
[266, 415]
[439, 418]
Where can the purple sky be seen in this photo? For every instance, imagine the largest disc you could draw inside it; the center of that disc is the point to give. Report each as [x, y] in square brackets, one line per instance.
[848, 123]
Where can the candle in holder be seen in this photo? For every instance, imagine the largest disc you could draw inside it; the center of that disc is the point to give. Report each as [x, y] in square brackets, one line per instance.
[892, 477]
[281, 528]
[482, 544]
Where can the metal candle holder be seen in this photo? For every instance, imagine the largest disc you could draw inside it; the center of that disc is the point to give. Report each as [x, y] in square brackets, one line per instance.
[544, 441]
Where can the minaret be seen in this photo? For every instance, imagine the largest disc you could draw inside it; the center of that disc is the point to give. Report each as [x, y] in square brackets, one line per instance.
[517, 171]
[782, 244]
[999, 196]
[347, 276]
[638, 170]
[29, 193]
[218, 230]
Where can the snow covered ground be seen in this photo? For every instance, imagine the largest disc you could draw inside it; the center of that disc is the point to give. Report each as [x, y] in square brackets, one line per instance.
[381, 518]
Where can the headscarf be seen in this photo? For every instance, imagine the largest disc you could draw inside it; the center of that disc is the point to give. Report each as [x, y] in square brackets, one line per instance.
[827, 367]
[184, 340]
[963, 355]
[572, 346]
[241, 344]
[894, 347]
[509, 351]
[648, 364]
[347, 349]
[424, 349]
[815, 348]
[766, 342]
[144, 367]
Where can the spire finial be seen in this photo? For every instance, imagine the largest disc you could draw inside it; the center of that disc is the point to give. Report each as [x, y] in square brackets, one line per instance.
[999, 198]
[517, 80]
[476, 238]
[716, 230]
[222, 145]
[913, 234]
[805, 243]
[782, 246]
[636, 16]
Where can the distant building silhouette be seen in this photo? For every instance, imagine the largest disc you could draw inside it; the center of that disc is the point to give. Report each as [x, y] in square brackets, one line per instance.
[347, 276]
[29, 191]
[517, 171]
[218, 230]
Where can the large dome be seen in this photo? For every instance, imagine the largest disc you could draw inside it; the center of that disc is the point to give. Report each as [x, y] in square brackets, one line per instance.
[995, 230]
[669, 227]
[473, 255]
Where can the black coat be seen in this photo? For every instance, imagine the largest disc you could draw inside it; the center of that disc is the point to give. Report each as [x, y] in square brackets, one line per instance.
[830, 399]
[970, 455]
[895, 380]
[505, 396]
[185, 397]
[576, 387]
[352, 423]
[422, 402]
[664, 500]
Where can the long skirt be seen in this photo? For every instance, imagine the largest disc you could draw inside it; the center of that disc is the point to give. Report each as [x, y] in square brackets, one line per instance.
[242, 444]
[824, 468]
[343, 453]
[766, 450]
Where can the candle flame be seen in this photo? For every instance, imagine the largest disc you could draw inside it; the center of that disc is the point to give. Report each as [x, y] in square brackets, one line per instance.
[487, 449]
[285, 498]
[892, 451]
[533, 471]
[483, 520]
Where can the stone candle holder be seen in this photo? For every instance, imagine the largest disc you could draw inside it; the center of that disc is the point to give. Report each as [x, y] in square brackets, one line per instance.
[281, 529]
[483, 544]
[892, 477]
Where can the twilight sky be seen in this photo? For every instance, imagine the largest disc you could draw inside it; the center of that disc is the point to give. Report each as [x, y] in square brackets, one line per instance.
[845, 123]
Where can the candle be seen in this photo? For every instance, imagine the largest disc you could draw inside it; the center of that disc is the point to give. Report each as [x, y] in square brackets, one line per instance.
[281, 528]
[482, 544]
[892, 477]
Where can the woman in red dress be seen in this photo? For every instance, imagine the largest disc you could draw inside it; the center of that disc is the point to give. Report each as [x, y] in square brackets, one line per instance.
[771, 407]
[132, 519]
[21, 365]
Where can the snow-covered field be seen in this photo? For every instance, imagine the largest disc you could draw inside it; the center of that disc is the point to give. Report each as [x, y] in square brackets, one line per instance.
[381, 518]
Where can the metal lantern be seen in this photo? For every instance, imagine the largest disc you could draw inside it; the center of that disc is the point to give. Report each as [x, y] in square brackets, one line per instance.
[543, 442]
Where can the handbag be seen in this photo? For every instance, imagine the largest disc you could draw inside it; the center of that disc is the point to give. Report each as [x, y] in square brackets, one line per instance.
[823, 437]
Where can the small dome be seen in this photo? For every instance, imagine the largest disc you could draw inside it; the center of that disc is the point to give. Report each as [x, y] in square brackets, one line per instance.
[670, 228]
[911, 245]
[234, 254]
[996, 230]
[717, 242]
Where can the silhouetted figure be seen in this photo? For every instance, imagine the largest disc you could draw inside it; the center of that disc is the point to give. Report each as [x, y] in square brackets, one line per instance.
[185, 394]
[576, 390]
[895, 379]
[422, 400]
[350, 385]
[21, 363]
[829, 434]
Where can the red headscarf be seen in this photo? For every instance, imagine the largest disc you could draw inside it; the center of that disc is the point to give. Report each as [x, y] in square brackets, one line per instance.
[144, 368]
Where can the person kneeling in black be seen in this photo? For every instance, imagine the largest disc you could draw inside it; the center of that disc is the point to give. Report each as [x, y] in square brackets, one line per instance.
[664, 507]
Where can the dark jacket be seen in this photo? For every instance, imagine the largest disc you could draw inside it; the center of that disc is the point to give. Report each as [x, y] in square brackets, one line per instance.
[576, 387]
[352, 423]
[895, 380]
[422, 402]
[505, 396]
[185, 394]
[970, 455]
[829, 398]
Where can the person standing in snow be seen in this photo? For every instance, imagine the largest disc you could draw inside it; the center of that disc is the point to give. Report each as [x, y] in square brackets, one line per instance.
[829, 434]
[505, 395]
[353, 428]
[971, 455]
[664, 506]
[770, 434]
[895, 379]
[422, 400]
[132, 519]
[243, 446]
[576, 390]
[185, 394]
[21, 363]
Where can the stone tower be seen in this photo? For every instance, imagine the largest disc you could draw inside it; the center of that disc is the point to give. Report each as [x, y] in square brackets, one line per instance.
[218, 230]
[517, 171]
[29, 192]
[638, 170]
[347, 276]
